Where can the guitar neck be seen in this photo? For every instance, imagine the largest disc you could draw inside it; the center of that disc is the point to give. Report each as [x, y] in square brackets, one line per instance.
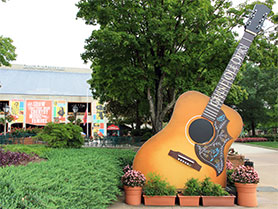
[224, 85]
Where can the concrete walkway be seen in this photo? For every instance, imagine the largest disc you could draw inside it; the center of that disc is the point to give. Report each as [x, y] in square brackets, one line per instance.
[265, 162]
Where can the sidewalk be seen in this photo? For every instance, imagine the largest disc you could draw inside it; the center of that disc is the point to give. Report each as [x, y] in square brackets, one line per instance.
[265, 162]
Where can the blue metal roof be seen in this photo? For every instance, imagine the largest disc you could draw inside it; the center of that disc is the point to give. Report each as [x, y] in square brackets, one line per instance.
[35, 82]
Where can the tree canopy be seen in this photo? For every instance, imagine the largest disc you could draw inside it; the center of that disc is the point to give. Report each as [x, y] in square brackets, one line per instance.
[7, 51]
[261, 105]
[152, 51]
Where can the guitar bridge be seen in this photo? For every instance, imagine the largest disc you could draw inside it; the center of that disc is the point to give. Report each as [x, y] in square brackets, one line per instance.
[185, 160]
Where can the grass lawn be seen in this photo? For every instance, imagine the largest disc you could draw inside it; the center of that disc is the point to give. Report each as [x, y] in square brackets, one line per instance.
[268, 144]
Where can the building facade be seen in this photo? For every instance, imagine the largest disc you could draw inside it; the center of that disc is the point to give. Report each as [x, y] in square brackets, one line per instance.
[37, 95]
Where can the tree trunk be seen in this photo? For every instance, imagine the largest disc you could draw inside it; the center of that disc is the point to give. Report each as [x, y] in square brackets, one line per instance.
[156, 108]
[138, 119]
[253, 126]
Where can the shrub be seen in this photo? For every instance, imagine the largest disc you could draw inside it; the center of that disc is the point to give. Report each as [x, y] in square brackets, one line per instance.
[21, 132]
[229, 171]
[251, 139]
[208, 188]
[157, 186]
[58, 135]
[192, 187]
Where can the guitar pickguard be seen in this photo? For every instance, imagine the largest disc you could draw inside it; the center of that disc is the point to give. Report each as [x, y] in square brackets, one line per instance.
[212, 153]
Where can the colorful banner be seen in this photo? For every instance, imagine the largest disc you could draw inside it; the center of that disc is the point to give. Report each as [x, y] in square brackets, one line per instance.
[17, 110]
[38, 112]
[98, 119]
[59, 111]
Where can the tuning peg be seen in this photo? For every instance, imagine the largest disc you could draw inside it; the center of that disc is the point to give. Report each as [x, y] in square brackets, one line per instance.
[261, 20]
[259, 27]
[248, 23]
[264, 15]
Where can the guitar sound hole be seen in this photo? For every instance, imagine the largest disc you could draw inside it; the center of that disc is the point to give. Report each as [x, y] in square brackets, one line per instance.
[201, 131]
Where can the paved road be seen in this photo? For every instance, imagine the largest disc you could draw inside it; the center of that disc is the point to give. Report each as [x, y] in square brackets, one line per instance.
[266, 163]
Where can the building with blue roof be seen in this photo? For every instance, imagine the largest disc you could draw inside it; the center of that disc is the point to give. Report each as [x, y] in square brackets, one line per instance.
[37, 95]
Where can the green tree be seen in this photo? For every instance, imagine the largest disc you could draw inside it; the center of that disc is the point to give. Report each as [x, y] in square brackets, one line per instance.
[156, 50]
[261, 105]
[132, 113]
[7, 51]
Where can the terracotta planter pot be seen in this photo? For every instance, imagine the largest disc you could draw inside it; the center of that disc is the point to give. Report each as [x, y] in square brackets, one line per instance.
[160, 200]
[189, 200]
[218, 200]
[246, 194]
[133, 195]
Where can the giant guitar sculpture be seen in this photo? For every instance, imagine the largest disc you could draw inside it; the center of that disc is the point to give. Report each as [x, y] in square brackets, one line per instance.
[196, 141]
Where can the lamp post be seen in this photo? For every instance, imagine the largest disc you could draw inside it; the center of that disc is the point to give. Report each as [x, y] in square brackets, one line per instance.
[6, 109]
[75, 110]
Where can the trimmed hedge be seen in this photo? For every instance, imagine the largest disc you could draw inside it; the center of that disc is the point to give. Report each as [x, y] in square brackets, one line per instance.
[71, 178]
[251, 139]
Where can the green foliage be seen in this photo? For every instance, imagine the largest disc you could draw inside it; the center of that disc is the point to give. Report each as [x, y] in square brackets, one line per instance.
[261, 105]
[157, 186]
[7, 51]
[208, 188]
[70, 178]
[145, 133]
[58, 135]
[127, 112]
[21, 132]
[192, 187]
[230, 181]
[71, 118]
[153, 51]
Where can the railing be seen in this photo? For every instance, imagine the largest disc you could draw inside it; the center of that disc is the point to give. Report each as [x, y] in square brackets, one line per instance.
[20, 138]
[114, 141]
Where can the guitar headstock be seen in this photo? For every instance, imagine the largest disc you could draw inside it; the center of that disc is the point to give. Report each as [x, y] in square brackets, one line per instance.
[257, 18]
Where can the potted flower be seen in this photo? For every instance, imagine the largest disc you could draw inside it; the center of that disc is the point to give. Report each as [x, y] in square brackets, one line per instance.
[214, 195]
[246, 179]
[190, 196]
[133, 182]
[158, 191]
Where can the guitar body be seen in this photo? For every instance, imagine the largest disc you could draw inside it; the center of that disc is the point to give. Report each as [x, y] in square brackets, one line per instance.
[154, 156]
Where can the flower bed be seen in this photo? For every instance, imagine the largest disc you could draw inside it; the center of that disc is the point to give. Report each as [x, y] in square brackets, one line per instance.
[251, 139]
[70, 178]
[8, 158]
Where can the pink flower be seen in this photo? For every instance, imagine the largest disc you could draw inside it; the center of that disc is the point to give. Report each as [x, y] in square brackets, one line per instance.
[229, 165]
[245, 174]
[132, 177]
